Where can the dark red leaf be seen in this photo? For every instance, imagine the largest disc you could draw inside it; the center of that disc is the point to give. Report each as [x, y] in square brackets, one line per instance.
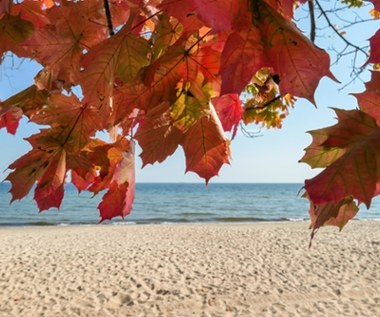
[298, 62]
[330, 214]
[184, 11]
[376, 4]
[5, 6]
[229, 109]
[14, 31]
[374, 43]
[9, 118]
[246, 46]
[49, 191]
[218, 14]
[354, 172]
[113, 203]
[369, 100]
[157, 136]
[45, 165]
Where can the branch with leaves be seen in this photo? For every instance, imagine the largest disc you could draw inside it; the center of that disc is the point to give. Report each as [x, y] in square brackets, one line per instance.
[175, 74]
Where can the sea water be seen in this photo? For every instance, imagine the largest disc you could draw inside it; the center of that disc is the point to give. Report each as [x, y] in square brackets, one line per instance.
[174, 203]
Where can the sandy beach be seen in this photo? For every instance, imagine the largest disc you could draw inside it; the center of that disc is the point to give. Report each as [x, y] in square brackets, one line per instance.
[190, 270]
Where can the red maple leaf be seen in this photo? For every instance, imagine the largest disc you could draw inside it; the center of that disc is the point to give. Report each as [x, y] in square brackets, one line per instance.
[83, 178]
[376, 4]
[14, 31]
[285, 7]
[184, 12]
[169, 73]
[59, 45]
[9, 118]
[317, 154]
[118, 200]
[121, 56]
[31, 11]
[49, 190]
[275, 42]
[26, 102]
[157, 135]
[205, 146]
[219, 15]
[298, 62]
[244, 45]
[44, 164]
[369, 100]
[353, 173]
[229, 109]
[374, 43]
[5, 6]
[330, 214]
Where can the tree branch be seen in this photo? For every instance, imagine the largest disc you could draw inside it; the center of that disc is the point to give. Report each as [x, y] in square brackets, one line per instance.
[109, 17]
[267, 104]
[312, 20]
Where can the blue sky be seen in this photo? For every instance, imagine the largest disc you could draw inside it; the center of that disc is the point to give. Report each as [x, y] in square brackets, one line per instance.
[271, 157]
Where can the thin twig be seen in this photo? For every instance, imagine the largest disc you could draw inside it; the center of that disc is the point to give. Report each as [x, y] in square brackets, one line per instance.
[250, 134]
[109, 17]
[357, 48]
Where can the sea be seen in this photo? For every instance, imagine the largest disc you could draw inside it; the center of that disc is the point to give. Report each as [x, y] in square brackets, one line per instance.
[174, 203]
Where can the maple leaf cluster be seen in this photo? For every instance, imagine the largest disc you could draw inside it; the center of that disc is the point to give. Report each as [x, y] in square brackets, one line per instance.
[170, 74]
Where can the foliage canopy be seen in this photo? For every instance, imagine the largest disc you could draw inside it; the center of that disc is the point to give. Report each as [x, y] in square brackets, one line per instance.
[169, 74]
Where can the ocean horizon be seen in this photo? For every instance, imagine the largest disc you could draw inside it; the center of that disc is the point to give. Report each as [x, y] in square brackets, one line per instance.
[174, 203]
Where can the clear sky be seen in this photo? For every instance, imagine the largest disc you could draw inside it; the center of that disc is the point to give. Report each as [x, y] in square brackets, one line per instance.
[271, 157]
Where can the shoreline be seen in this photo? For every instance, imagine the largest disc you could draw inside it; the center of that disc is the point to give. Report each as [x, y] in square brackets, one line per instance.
[213, 269]
[42, 224]
[164, 223]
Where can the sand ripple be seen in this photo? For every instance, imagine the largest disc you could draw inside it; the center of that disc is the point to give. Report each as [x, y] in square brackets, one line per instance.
[190, 270]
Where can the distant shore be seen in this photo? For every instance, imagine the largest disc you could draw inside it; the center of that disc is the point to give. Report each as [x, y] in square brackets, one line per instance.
[226, 269]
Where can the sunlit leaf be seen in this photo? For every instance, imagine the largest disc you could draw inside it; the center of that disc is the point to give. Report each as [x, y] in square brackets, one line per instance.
[206, 148]
[246, 46]
[354, 173]
[9, 118]
[157, 135]
[298, 62]
[229, 109]
[330, 214]
[369, 100]
[44, 165]
[118, 200]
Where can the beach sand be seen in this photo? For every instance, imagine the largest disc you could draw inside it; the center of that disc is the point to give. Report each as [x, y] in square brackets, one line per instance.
[179, 270]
